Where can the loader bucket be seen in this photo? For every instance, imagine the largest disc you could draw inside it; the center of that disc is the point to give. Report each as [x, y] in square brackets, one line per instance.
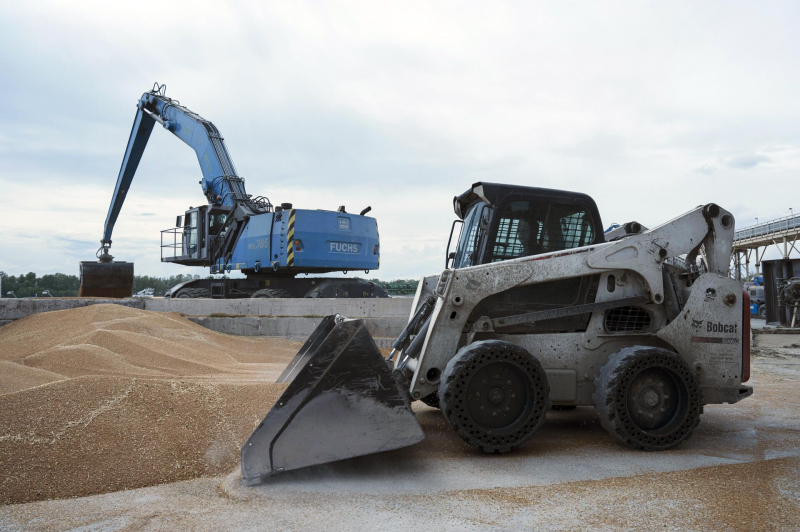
[106, 279]
[342, 401]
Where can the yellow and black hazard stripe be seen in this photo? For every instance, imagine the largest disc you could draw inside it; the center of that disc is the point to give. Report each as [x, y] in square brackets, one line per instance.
[290, 240]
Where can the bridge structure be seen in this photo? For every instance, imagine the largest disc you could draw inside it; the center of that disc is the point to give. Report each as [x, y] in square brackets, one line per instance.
[751, 243]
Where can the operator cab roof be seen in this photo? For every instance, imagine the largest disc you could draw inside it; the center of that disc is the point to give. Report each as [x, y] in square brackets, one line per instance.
[495, 193]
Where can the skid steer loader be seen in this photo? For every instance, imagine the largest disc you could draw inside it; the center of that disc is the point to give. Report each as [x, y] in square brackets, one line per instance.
[536, 308]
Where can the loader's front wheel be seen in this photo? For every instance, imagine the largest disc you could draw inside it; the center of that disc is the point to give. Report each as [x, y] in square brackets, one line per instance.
[494, 394]
[648, 397]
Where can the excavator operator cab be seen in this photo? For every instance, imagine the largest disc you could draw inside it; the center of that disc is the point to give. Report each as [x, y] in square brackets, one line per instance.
[502, 222]
[190, 241]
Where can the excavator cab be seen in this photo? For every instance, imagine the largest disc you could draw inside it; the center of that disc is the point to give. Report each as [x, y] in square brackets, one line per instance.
[191, 240]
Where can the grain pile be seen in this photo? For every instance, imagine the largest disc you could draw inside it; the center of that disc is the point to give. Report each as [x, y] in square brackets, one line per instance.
[106, 397]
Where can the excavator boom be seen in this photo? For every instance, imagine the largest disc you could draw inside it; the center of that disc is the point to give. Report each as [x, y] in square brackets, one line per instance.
[221, 185]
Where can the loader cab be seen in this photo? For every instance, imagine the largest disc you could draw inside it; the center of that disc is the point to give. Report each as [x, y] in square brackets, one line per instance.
[505, 222]
[501, 222]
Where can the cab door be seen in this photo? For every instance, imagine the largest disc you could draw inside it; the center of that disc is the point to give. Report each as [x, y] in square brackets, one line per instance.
[191, 243]
[527, 225]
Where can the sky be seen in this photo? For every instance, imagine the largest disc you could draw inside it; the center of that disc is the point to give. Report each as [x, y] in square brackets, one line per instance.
[652, 108]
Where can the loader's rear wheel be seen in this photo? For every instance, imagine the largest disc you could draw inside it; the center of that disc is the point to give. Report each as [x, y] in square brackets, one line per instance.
[494, 394]
[648, 397]
[191, 293]
[762, 312]
[270, 293]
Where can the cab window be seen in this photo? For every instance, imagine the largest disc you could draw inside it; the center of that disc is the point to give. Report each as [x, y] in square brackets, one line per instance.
[471, 233]
[528, 227]
[216, 221]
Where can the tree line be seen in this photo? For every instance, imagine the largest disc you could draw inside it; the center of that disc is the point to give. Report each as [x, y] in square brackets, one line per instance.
[63, 285]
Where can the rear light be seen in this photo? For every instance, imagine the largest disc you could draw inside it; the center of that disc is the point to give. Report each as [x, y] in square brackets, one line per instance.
[375, 250]
[745, 336]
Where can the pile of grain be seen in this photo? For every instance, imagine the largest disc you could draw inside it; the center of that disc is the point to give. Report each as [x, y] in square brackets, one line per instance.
[106, 397]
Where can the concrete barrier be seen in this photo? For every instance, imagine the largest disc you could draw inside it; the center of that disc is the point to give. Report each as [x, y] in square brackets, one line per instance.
[288, 318]
[776, 337]
[383, 330]
[14, 309]
[352, 308]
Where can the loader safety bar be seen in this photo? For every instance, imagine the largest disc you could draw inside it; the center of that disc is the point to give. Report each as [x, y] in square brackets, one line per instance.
[532, 317]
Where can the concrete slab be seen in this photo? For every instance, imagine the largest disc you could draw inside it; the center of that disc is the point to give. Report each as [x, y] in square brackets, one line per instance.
[288, 318]
[352, 308]
[290, 327]
[14, 309]
[776, 337]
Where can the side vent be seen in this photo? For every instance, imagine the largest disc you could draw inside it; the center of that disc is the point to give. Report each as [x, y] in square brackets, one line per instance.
[627, 319]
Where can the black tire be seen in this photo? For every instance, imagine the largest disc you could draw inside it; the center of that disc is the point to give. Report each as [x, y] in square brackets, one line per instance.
[191, 293]
[515, 392]
[270, 293]
[432, 400]
[762, 312]
[648, 397]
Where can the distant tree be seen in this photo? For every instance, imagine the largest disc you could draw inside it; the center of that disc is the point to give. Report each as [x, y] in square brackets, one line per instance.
[63, 285]
[29, 285]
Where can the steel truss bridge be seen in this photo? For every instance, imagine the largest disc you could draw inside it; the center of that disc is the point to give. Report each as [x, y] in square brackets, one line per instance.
[751, 243]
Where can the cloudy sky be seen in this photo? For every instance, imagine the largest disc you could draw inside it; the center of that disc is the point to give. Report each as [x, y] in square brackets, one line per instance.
[651, 108]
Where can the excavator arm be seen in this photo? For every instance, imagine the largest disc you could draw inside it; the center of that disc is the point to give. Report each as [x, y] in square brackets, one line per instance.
[220, 183]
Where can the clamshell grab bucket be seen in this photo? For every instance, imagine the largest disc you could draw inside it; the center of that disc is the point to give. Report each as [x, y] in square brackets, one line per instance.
[106, 279]
[342, 401]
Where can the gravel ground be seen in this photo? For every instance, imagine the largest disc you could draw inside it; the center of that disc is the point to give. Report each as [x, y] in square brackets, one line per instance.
[740, 471]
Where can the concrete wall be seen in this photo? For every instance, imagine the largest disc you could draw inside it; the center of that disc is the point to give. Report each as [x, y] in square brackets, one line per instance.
[14, 309]
[289, 318]
[383, 330]
[776, 338]
[352, 308]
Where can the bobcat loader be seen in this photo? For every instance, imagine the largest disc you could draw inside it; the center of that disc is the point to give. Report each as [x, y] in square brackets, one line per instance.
[537, 308]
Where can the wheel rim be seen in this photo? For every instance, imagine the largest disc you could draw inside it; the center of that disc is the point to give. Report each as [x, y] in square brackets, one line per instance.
[498, 397]
[657, 400]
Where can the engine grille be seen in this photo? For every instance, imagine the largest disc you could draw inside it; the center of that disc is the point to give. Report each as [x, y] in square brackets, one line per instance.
[626, 319]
